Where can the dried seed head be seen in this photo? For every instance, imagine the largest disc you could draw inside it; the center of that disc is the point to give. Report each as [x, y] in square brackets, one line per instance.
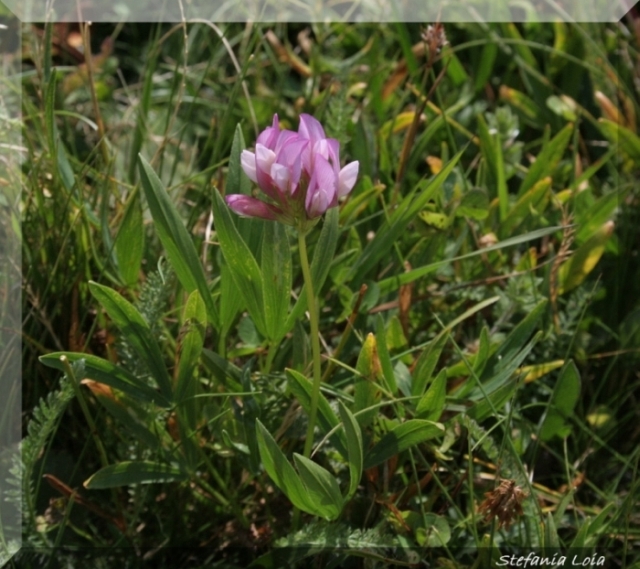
[504, 503]
[435, 38]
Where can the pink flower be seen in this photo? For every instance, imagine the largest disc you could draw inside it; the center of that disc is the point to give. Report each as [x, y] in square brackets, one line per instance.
[298, 172]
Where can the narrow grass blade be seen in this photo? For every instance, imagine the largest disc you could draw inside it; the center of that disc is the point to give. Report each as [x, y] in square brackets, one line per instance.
[548, 159]
[392, 283]
[383, 241]
[132, 472]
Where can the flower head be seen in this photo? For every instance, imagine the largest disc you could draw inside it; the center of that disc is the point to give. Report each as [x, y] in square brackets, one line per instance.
[299, 173]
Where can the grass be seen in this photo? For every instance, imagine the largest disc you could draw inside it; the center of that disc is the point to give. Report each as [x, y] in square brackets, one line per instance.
[513, 135]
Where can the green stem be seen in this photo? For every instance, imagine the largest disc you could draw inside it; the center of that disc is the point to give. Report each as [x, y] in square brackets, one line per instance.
[271, 354]
[315, 342]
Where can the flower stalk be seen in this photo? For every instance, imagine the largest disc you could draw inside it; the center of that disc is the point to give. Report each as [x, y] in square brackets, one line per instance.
[300, 178]
[315, 342]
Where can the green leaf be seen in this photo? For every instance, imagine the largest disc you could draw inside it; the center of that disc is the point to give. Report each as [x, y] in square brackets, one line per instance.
[547, 160]
[496, 377]
[579, 543]
[562, 107]
[474, 204]
[224, 371]
[355, 455]
[400, 438]
[322, 488]
[494, 400]
[131, 421]
[533, 200]
[598, 522]
[175, 239]
[110, 374]
[561, 406]
[130, 242]
[133, 472]
[550, 532]
[617, 134]
[281, 472]
[136, 331]
[431, 404]
[562, 505]
[64, 167]
[247, 416]
[244, 269]
[302, 389]
[49, 115]
[426, 364]
[190, 350]
[522, 49]
[384, 357]
[435, 532]
[522, 102]
[484, 348]
[455, 69]
[488, 149]
[590, 221]
[231, 303]
[482, 74]
[501, 181]
[237, 181]
[366, 391]
[276, 279]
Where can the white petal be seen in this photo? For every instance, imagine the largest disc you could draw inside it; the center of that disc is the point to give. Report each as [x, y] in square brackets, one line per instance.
[347, 178]
[280, 176]
[264, 158]
[248, 162]
[319, 203]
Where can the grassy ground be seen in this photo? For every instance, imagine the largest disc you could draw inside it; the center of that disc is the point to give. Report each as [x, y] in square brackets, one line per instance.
[519, 139]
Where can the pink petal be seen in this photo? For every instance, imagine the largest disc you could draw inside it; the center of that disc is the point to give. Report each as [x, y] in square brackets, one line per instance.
[284, 138]
[248, 161]
[321, 147]
[334, 152]
[322, 188]
[269, 136]
[318, 204]
[291, 151]
[251, 207]
[295, 172]
[347, 178]
[310, 128]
